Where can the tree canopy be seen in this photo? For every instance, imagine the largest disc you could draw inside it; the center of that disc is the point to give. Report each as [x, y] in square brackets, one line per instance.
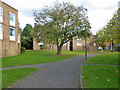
[110, 32]
[26, 37]
[58, 24]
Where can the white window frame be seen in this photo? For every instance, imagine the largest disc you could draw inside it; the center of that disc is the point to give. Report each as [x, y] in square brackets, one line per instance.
[79, 44]
[94, 44]
[12, 23]
[1, 14]
[40, 44]
[18, 37]
[1, 32]
[12, 38]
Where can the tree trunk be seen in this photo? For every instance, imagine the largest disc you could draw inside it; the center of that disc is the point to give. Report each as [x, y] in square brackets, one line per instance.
[103, 48]
[112, 46]
[59, 49]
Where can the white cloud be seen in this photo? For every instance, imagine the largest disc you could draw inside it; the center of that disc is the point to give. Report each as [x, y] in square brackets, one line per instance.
[99, 11]
[103, 3]
[23, 20]
[99, 18]
[29, 4]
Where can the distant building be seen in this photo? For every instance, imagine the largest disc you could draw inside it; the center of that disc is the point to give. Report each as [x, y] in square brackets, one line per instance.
[10, 42]
[77, 44]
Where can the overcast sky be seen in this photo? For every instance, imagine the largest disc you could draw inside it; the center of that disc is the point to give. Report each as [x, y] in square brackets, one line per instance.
[99, 11]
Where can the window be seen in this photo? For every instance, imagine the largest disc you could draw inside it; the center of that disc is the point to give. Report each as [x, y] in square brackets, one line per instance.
[12, 19]
[40, 44]
[1, 14]
[79, 42]
[18, 38]
[94, 44]
[1, 31]
[12, 34]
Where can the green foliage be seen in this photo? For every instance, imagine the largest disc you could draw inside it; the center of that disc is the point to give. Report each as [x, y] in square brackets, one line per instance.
[22, 49]
[26, 31]
[101, 40]
[110, 32]
[112, 28]
[58, 24]
[26, 37]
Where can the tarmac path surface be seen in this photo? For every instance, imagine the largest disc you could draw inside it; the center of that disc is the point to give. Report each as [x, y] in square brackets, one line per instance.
[62, 74]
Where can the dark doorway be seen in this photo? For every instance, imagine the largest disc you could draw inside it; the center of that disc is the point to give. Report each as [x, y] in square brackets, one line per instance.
[71, 45]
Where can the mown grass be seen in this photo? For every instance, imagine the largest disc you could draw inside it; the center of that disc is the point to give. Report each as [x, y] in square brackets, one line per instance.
[37, 57]
[13, 75]
[105, 58]
[99, 76]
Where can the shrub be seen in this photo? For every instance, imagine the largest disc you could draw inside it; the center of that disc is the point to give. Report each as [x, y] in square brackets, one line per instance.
[41, 47]
[22, 49]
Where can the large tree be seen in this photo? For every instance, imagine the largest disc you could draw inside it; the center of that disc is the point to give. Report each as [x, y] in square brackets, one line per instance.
[59, 24]
[26, 37]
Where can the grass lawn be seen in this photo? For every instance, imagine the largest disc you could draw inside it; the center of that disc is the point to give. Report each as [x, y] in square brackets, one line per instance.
[105, 58]
[13, 75]
[38, 57]
[99, 76]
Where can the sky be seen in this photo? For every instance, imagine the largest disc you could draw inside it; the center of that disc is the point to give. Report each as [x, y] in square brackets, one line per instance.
[99, 11]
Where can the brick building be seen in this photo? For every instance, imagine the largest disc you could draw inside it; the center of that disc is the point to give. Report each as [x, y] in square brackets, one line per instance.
[77, 44]
[9, 35]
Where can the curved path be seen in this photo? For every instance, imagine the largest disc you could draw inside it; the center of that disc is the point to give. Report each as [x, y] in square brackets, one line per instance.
[62, 74]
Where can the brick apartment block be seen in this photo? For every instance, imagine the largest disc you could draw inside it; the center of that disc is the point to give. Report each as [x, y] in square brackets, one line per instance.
[77, 44]
[9, 35]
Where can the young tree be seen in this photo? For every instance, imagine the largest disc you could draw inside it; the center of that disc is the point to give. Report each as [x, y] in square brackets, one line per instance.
[101, 38]
[59, 24]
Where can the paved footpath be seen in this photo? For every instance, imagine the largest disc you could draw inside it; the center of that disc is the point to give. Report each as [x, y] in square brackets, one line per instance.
[62, 74]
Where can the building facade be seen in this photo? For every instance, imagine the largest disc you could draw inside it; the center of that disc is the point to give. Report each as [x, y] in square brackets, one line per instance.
[76, 44]
[10, 42]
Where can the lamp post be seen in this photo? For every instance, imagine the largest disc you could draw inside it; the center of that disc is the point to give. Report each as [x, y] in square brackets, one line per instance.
[85, 45]
[97, 48]
[112, 45]
[85, 34]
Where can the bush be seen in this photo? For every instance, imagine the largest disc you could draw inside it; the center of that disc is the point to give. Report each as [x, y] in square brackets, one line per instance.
[22, 49]
[41, 47]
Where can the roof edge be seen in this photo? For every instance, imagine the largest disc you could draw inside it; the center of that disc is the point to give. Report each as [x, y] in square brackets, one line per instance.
[8, 5]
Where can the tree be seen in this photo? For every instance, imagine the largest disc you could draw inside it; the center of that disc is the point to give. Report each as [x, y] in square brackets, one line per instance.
[110, 32]
[26, 37]
[59, 24]
[101, 38]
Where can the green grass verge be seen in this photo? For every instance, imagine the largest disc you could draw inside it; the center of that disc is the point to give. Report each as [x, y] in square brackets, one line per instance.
[99, 76]
[105, 58]
[37, 57]
[13, 75]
